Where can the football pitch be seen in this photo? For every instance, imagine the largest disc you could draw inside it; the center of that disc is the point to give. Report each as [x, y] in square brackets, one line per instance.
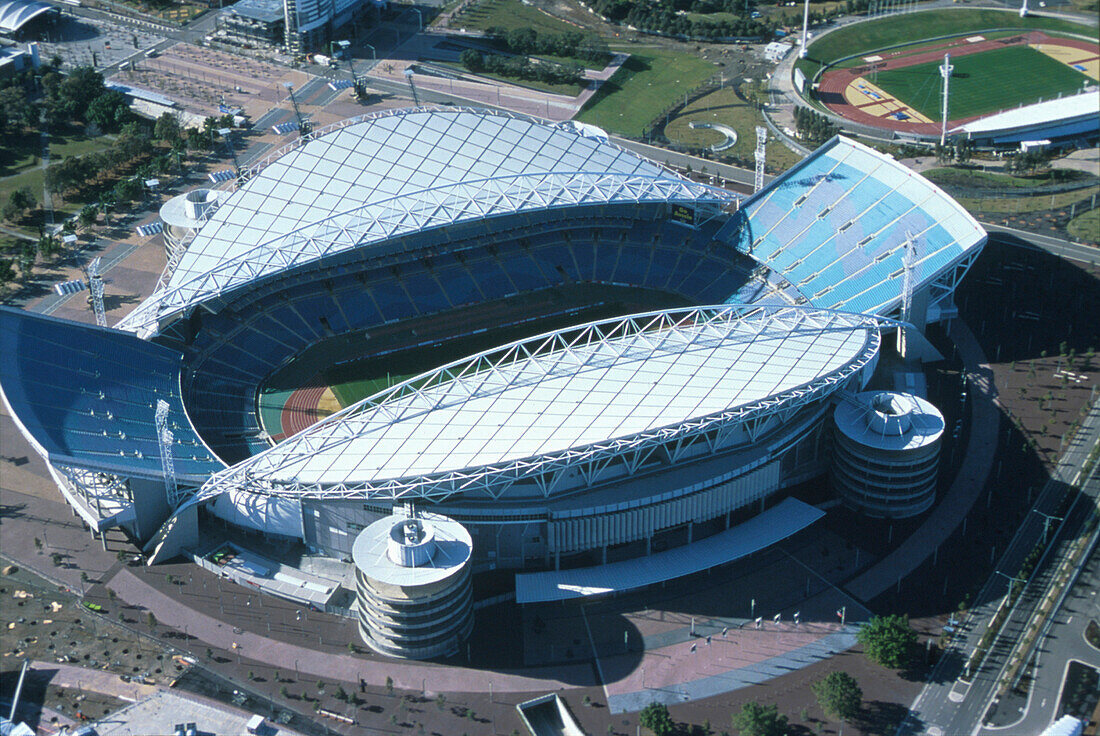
[983, 83]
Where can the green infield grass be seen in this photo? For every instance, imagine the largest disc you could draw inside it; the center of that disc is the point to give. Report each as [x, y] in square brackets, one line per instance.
[874, 35]
[983, 83]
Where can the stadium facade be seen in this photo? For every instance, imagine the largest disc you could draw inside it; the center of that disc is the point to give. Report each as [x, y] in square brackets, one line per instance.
[674, 353]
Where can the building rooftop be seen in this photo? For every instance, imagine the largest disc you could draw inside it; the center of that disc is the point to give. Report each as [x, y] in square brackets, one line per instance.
[265, 11]
[1049, 111]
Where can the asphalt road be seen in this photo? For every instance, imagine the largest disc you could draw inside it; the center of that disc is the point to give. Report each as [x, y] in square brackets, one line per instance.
[946, 705]
[1064, 641]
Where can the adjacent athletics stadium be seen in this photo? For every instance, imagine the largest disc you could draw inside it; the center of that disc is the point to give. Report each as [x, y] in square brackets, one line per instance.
[1012, 79]
[582, 358]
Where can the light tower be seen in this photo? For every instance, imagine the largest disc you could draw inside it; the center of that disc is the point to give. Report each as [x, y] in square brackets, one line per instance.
[165, 438]
[945, 72]
[806, 29]
[1023, 10]
[761, 139]
[303, 124]
[95, 288]
[409, 76]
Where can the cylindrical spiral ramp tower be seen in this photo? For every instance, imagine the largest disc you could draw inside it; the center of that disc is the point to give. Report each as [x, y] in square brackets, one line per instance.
[184, 214]
[412, 574]
[886, 453]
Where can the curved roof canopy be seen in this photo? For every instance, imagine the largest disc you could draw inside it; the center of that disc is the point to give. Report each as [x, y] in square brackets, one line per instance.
[553, 402]
[15, 14]
[835, 226]
[395, 173]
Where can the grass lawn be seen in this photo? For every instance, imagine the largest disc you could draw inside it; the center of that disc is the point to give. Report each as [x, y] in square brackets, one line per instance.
[725, 107]
[977, 179]
[983, 83]
[915, 27]
[649, 81]
[19, 166]
[1086, 227]
[1024, 205]
[509, 14]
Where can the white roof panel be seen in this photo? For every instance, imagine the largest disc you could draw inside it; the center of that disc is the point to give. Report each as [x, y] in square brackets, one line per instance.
[606, 387]
[395, 173]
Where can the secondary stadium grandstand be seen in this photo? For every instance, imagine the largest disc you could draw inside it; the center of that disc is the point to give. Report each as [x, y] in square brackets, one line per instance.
[579, 355]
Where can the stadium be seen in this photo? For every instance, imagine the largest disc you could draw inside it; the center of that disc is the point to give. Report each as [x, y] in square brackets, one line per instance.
[1011, 79]
[583, 359]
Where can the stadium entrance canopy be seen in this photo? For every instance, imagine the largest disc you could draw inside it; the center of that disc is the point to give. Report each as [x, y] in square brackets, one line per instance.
[14, 14]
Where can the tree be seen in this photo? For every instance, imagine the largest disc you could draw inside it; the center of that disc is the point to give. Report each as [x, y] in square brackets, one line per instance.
[79, 88]
[167, 128]
[109, 111]
[7, 272]
[888, 640]
[759, 720]
[19, 201]
[151, 619]
[655, 717]
[839, 695]
[341, 694]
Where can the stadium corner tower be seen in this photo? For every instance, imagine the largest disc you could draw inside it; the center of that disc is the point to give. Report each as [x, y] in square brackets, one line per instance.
[576, 354]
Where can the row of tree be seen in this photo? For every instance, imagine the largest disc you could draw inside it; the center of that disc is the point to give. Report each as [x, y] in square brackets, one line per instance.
[521, 67]
[812, 126]
[668, 17]
[529, 42]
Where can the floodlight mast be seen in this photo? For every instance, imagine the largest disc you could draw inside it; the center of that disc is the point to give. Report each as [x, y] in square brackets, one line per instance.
[165, 438]
[409, 76]
[909, 262]
[303, 124]
[95, 288]
[225, 133]
[945, 72]
[805, 29]
[761, 140]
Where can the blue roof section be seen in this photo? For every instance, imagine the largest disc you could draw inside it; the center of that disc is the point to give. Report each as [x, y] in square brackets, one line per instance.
[86, 396]
[835, 227]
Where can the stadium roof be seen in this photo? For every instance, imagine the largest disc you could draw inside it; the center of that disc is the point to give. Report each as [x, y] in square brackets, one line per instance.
[14, 14]
[398, 172]
[86, 396]
[835, 227]
[1050, 112]
[543, 407]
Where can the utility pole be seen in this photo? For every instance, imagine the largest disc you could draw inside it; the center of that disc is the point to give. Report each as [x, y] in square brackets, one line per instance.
[945, 72]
